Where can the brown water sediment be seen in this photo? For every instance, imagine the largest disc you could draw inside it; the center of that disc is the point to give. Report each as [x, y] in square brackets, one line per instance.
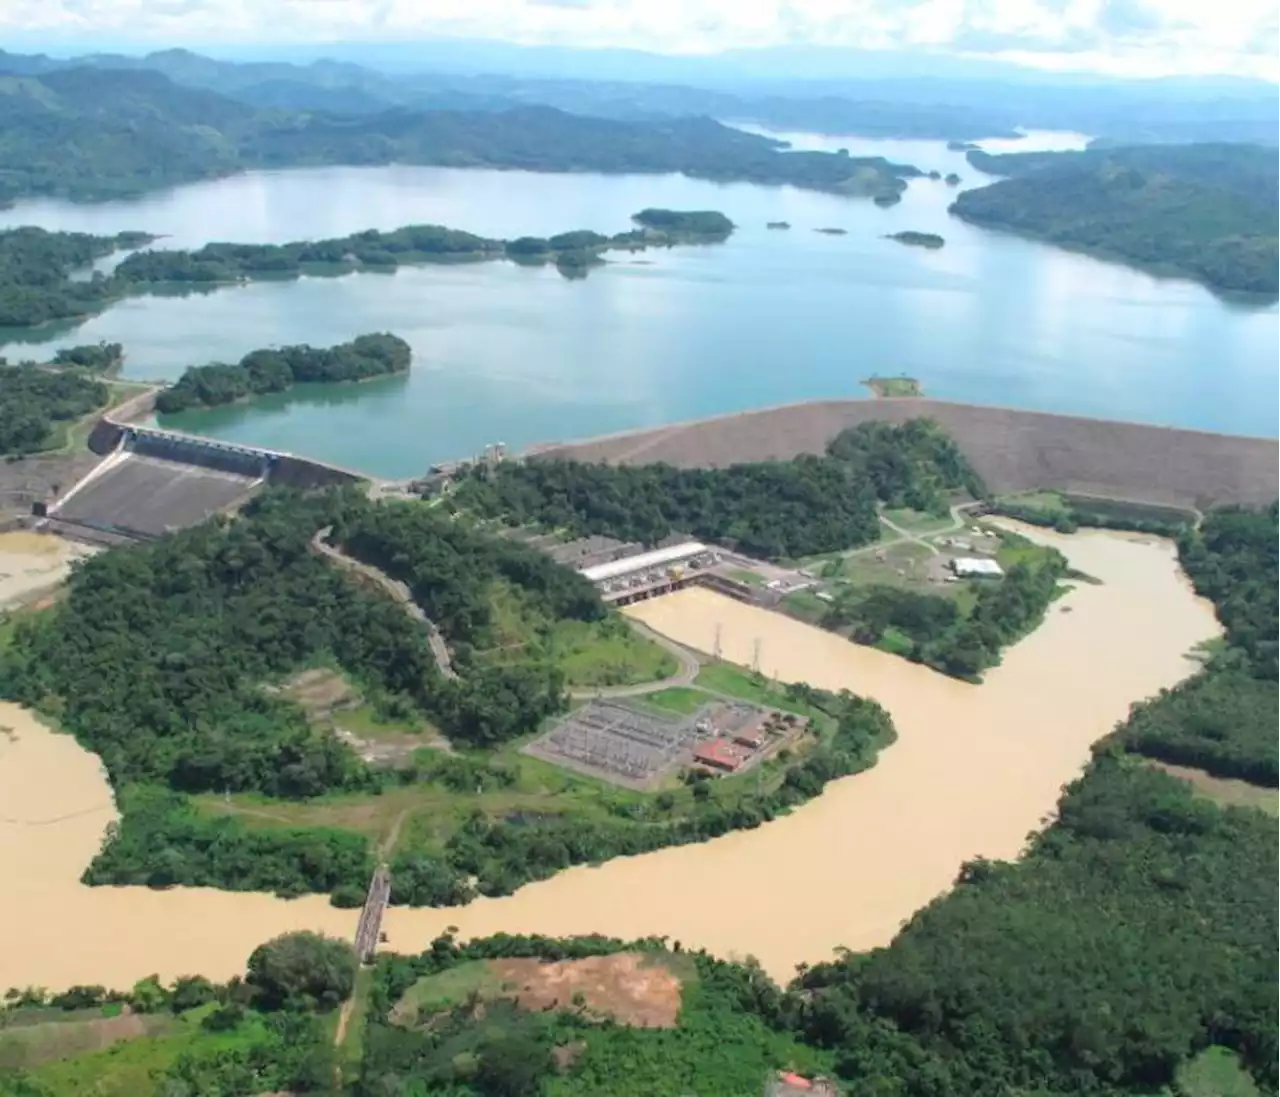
[975, 769]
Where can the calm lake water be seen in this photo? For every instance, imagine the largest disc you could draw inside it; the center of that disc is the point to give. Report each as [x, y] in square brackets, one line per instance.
[504, 353]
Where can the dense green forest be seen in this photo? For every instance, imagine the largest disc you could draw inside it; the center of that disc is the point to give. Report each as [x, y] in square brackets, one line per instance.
[36, 266]
[88, 133]
[35, 269]
[1206, 212]
[33, 401]
[280, 368]
[771, 509]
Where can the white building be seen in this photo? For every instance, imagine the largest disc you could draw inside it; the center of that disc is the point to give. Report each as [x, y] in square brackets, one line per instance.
[969, 567]
[667, 557]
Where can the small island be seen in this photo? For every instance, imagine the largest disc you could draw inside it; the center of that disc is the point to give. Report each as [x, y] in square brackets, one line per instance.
[885, 387]
[887, 199]
[833, 232]
[935, 175]
[952, 179]
[929, 240]
[279, 369]
[961, 146]
[777, 224]
[684, 226]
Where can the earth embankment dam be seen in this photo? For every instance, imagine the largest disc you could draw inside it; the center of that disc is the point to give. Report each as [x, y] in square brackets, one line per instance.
[1011, 450]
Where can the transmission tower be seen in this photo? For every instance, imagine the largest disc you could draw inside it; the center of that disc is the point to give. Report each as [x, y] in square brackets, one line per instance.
[755, 655]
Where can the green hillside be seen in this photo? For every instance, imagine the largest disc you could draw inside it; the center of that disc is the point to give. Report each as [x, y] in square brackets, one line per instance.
[1206, 212]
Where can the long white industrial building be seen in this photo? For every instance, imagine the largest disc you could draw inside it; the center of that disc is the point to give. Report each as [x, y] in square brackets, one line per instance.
[645, 561]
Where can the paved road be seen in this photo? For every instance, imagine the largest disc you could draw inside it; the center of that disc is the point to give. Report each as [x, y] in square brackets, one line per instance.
[398, 590]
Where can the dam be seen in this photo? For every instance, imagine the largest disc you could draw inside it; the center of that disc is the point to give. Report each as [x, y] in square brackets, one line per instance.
[150, 481]
[1012, 450]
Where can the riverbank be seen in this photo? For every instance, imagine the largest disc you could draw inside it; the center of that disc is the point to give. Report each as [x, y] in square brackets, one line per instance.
[974, 770]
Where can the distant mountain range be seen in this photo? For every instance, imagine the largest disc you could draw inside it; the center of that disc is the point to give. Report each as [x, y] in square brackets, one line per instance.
[955, 101]
[96, 132]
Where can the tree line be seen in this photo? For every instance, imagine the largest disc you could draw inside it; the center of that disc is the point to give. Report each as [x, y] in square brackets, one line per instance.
[34, 401]
[36, 283]
[278, 369]
[770, 509]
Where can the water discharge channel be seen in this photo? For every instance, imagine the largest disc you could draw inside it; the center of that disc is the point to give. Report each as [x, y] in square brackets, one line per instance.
[974, 770]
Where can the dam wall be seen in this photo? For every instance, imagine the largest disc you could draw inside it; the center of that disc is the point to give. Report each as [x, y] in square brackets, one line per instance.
[121, 423]
[1011, 450]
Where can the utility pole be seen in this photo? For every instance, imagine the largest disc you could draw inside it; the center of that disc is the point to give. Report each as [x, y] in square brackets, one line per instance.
[715, 650]
[755, 655]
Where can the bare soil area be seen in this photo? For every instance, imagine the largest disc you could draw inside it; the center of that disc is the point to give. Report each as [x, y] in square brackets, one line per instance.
[626, 986]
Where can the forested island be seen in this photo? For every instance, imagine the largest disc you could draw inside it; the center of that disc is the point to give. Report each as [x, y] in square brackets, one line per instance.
[36, 266]
[1206, 212]
[91, 133]
[917, 239]
[1009, 983]
[35, 402]
[278, 369]
[101, 357]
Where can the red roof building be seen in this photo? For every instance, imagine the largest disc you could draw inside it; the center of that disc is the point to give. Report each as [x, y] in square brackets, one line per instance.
[719, 754]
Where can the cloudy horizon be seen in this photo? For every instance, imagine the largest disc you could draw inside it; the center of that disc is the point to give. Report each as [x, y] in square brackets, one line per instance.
[1117, 37]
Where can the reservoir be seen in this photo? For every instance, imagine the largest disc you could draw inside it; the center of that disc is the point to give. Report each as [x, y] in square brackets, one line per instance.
[974, 771]
[519, 355]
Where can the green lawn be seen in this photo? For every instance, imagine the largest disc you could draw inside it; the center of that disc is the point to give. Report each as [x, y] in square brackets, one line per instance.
[433, 993]
[607, 653]
[1216, 1072]
[919, 522]
[681, 699]
[131, 1068]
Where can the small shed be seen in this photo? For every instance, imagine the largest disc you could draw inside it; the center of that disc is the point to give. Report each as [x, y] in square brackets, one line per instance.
[971, 567]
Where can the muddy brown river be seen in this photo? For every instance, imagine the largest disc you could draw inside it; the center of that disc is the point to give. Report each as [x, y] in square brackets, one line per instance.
[974, 771]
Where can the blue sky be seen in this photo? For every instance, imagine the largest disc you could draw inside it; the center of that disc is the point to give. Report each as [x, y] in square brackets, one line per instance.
[1138, 37]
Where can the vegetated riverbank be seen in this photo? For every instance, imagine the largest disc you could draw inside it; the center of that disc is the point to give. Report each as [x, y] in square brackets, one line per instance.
[279, 369]
[36, 267]
[954, 740]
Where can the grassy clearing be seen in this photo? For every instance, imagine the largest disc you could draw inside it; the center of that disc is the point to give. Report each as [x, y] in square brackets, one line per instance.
[805, 605]
[1216, 1072]
[1050, 502]
[1224, 790]
[607, 653]
[433, 993]
[682, 699]
[25, 1046]
[131, 1068]
[734, 681]
[749, 578]
[918, 522]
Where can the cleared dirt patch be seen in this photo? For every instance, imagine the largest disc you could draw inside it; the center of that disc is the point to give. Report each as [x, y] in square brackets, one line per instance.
[629, 987]
[1224, 790]
[29, 1045]
[632, 988]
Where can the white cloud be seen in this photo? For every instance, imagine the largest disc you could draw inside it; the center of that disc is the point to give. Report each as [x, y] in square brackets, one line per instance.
[1138, 36]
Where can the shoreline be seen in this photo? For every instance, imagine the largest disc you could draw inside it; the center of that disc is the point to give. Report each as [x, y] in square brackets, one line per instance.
[970, 784]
